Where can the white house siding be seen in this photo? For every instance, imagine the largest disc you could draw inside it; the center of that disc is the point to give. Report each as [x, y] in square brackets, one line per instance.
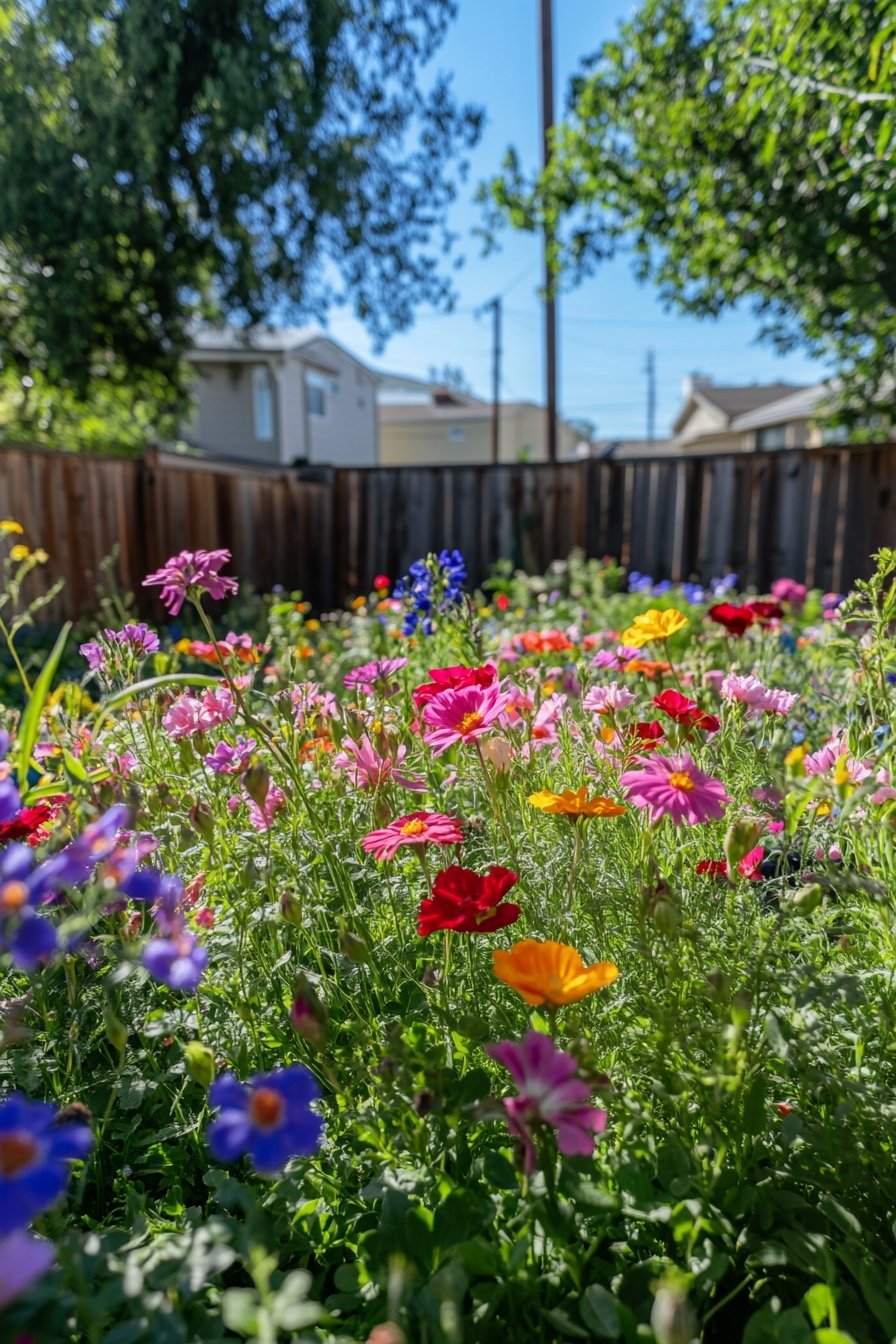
[346, 436]
[223, 424]
[291, 410]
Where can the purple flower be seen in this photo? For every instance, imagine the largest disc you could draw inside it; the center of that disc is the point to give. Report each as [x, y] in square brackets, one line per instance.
[23, 932]
[375, 675]
[95, 655]
[77, 861]
[10, 798]
[549, 1094]
[270, 1118]
[177, 962]
[35, 1150]
[231, 759]
[137, 637]
[23, 1260]
[190, 573]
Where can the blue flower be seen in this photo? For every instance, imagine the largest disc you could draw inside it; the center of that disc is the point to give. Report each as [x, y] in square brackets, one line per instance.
[694, 592]
[270, 1118]
[177, 962]
[77, 861]
[35, 1150]
[787, 642]
[24, 933]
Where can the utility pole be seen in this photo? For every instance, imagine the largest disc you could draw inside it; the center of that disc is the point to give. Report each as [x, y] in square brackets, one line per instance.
[650, 369]
[546, 28]
[495, 305]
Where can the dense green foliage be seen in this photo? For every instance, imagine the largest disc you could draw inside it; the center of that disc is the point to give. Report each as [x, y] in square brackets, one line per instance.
[745, 1185]
[189, 159]
[742, 150]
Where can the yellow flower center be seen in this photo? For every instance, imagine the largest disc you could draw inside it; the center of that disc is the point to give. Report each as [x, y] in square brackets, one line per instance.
[13, 895]
[413, 827]
[679, 780]
[266, 1108]
[16, 1152]
[469, 722]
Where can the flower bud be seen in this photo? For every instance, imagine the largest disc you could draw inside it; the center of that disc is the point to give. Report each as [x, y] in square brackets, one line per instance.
[741, 838]
[116, 1031]
[308, 1015]
[665, 915]
[353, 947]
[499, 752]
[200, 1062]
[672, 1317]
[257, 782]
[290, 907]
[806, 900]
[203, 822]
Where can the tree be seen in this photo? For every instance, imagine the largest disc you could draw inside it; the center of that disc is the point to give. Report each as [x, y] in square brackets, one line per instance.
[174, 160]
[451, 376]
[743, 150]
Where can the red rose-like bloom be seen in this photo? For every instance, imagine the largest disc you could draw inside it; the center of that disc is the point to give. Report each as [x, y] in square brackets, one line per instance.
[468, 902]
[715, 867]
[735, 619]
[647, 735]
[765, 611]
[686, 711]
[453, 679]
[32, 823]
[502, 601]
[382, 583]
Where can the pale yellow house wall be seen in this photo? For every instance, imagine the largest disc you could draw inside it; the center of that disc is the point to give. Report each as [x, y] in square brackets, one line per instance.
[428, 441]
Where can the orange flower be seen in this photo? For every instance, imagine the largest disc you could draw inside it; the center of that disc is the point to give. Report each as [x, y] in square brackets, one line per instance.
[571, 803]
[543, 641]
[650, 669]
[550, 973]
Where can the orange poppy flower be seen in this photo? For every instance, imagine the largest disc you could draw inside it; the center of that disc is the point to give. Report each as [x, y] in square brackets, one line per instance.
[550, 973]
[574, 803]
[650, 669]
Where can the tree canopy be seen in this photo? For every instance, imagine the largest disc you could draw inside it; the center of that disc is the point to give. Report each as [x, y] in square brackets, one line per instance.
[174, 160]
[743, 150]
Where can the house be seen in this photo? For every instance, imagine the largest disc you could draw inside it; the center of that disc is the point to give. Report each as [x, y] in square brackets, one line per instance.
[424, 423]
[716, 419]
[282, 395]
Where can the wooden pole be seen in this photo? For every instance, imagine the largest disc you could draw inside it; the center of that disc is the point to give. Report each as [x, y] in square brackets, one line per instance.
[546, 25]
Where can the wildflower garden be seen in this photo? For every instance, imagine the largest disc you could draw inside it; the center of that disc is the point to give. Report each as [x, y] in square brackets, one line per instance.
[461, 966]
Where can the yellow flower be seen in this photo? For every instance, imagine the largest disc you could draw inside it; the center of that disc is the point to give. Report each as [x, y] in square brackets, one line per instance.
[574, 804]
[183, 646]
[8, 525]
[793, 761]
[485, 611]
[358, 603]
[653, 625]
[312, 624]
[19, 552]
[551, 973]
[40, 555]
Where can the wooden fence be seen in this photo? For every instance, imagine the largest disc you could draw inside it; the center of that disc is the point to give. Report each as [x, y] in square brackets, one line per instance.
[814, 515]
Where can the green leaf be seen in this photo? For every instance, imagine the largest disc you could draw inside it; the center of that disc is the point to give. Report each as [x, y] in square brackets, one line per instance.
[30, 725]
[819, 1302]
[600, 1312]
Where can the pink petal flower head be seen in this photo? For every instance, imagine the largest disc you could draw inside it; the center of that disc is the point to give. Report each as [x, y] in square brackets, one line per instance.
[310, 701]
[374, 676]
[184, 717]
[550, 1093]
[673, 786]
[760, 699]
[417, 828]
[791, 592]
[190, 573]
[217, 705]
[262, 818]
[608, 699]
[547, 720]
[462, 716]
[367, 769]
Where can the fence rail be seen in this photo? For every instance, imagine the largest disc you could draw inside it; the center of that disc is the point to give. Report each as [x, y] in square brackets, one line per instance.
[814, 515]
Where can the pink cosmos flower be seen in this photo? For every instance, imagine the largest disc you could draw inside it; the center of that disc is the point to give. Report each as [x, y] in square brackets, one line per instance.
[217, 705]
[760, 699]
[417, 828]
[616, 659]
[184, 717]
[195, 571]
[673, 786]
[374, 676]
[310, 701]
[607, 699]
[462, 716]
[367, 769]
[791, 592]
[547, 720]
[262, 818]
[549, 1094]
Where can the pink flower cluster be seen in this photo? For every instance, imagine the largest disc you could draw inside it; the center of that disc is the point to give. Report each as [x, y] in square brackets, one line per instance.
[191, 572]
[190, 714]
[760, 699]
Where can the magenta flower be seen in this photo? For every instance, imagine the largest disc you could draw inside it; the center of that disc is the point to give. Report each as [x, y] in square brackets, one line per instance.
[760, 699]
[462, 715]
[367, 769]
[417, 828]
[188, 574]
[184, 717]
[23, 1259]
[262, 818]
[231, 759]
[310, 702]
[791, 592]
[607, 699]
[673, 786]
[549, 1094]
[374, 676]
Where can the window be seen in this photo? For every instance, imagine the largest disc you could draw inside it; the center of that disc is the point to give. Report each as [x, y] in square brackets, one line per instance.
[262, 403]
[316, 395]
[773, 437]
[457, 435]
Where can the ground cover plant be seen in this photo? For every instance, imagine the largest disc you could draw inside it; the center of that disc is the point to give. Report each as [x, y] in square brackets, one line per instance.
[452, 967]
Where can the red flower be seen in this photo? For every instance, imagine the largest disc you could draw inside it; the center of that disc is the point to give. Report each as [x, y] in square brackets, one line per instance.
[765, 611]
[454, 679]
[715, 867]
[469, 902]
[686, 711]
[735, 619]
[32, 823]
[502, 601]
[382, 583]
[647, 735]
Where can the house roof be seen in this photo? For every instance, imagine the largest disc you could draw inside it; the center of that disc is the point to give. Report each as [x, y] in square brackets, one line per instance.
[797, 406]
[241, 343]
[730, 402]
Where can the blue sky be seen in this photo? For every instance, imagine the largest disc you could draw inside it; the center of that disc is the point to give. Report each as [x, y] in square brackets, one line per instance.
[608, 323]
